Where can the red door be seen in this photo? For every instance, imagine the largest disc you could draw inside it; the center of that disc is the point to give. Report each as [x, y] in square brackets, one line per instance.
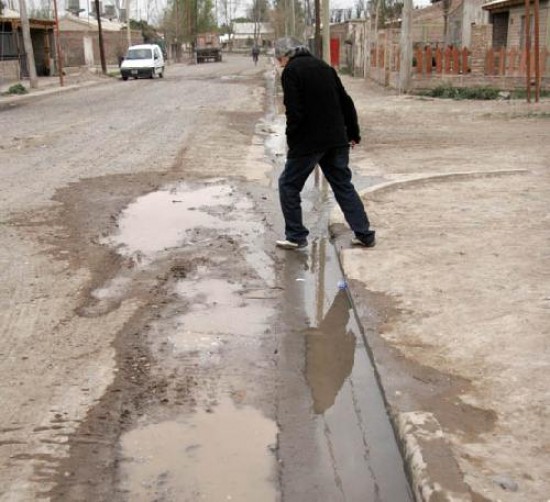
[335, 52]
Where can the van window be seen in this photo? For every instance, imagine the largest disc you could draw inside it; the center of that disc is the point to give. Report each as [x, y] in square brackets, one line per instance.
[139, 54]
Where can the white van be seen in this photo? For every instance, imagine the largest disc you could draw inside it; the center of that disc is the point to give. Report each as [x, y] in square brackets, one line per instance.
[144, 60]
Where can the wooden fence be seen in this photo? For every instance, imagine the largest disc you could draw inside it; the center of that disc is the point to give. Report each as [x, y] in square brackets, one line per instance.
[450, 61]
[455, 61]
[513, 62]
[495, 62]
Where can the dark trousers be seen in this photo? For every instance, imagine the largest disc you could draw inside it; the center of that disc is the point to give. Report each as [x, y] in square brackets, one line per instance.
[334, 165]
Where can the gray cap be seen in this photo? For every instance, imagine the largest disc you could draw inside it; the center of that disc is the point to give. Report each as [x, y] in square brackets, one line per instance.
[289, 46]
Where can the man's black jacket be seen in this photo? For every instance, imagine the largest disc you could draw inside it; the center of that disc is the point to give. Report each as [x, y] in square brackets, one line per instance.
[319, 113]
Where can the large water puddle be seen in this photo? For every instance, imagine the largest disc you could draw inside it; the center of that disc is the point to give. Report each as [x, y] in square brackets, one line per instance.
[224, 454]
[167, 218]
[189, 217]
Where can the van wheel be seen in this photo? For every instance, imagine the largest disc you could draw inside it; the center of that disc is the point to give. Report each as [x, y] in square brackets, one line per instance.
[161, 74]
[124, 77]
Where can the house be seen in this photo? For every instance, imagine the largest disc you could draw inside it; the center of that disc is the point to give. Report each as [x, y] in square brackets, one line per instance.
[13, 61]
[508, 21]
[244, 34]
[428, 23]
[79, 40]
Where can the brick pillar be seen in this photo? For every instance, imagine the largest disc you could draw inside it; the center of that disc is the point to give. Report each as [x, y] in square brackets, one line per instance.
[482, 40]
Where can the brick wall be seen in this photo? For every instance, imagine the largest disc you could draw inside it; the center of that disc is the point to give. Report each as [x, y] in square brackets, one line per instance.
[514, 27]
[482, 39]
[9, 72]
[114, 43]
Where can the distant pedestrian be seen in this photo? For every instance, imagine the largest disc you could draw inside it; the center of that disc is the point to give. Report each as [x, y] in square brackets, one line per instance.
[255, 54]
[321, 126]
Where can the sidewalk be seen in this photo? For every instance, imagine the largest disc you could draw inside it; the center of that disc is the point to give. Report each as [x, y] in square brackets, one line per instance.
[74, 79]
[455, 297]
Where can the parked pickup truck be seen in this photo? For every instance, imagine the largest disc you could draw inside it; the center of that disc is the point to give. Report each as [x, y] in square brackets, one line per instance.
[207, 47]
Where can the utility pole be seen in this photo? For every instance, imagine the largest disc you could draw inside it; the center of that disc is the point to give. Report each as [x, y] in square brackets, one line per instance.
[100, 33]
[326, 31]
[537, 51]
[292, 18]
[58, 45]
[405, 57]
[528, 50]
[128, 30]
[318, 41]
[27, 43]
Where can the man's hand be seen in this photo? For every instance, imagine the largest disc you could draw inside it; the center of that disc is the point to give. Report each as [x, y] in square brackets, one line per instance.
[352, 143]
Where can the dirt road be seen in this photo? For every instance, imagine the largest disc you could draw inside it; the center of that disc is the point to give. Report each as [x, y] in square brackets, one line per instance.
[155, 345]
[76, 314]
[144, 308]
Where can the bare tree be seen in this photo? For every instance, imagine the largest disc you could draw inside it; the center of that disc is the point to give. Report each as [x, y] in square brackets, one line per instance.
[446, 7]
[258, 13]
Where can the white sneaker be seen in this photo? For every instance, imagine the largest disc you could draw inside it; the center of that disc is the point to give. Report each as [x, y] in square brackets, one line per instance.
[286, 244]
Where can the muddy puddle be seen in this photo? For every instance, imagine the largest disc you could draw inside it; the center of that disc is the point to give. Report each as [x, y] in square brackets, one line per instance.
[222, 454]
[190, 216]
[187, 217]
[218, 447]
[171, 217]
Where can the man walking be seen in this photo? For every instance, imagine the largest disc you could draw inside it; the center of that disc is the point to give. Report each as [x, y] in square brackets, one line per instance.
[255, 54]
[321, 126]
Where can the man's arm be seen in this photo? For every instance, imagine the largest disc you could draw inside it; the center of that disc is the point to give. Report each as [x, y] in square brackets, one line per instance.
[349, 112]
[294, 107]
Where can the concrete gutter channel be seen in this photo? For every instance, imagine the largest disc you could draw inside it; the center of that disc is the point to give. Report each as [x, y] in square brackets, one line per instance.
[432, 471]
[430, 467]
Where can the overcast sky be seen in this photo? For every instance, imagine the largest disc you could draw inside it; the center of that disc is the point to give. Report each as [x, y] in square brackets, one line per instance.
[150, 9]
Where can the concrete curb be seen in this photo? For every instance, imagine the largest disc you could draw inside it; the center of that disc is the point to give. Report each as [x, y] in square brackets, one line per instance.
[424, 447]
[457, 176]
[337, 217]
[433, 471]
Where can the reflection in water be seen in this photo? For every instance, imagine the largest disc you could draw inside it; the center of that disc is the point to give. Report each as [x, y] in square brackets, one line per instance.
[330, 354]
